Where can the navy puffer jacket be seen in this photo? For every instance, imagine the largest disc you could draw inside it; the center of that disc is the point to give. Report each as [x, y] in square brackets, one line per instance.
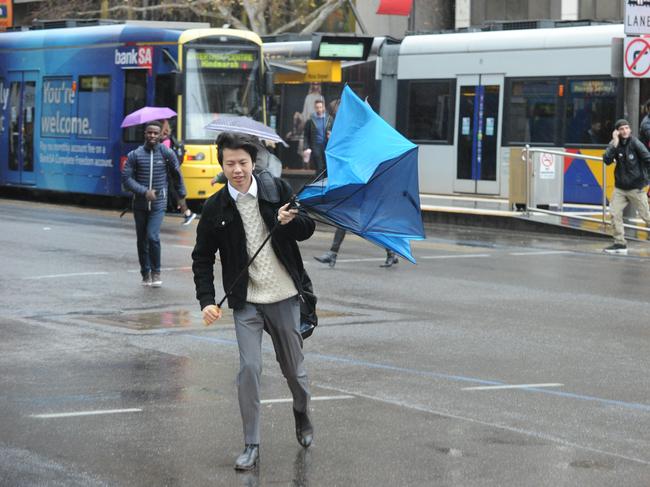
[149, 169]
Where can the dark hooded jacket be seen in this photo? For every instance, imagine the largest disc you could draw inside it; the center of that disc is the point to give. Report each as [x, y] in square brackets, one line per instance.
[221, 229]
[632, 162]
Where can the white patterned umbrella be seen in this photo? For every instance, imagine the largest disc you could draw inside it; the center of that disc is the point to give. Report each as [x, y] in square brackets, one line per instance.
[245, 125]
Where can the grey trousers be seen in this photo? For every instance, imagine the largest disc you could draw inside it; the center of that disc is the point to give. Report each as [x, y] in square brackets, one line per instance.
[282, 321]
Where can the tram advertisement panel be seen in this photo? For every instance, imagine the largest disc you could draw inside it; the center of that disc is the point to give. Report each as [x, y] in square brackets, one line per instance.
[74, 137]
[73, 112]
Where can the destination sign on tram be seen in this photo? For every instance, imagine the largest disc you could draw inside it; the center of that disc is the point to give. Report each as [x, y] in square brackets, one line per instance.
[222, 60]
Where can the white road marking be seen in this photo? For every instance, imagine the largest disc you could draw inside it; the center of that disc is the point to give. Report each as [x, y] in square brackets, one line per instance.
[505, 427]
[454, 256]
[163, 269]
[86, 413]
[542, 252]
[75, 274]
[370, 259]
[517, 386]
[318, 398]
[182, 246]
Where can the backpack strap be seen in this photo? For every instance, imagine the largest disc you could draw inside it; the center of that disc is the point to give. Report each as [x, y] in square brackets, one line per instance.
[268, 186]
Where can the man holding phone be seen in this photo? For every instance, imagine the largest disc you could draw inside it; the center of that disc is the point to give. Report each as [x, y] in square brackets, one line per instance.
[630, 178]
[145, 174]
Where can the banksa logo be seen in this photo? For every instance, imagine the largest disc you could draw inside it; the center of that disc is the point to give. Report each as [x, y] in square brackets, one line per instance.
[141, 57]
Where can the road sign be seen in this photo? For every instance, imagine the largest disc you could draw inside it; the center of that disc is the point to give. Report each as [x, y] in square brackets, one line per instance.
[637, 17]
[637, 57]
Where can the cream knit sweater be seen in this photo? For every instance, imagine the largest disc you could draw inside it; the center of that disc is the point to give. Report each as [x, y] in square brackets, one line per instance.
[268, 280]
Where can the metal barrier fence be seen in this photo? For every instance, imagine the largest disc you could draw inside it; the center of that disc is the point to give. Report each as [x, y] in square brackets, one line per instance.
[528, 156]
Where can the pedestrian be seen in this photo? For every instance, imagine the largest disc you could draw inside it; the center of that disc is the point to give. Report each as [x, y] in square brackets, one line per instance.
[175, 201]
[630, 177]
[644, 127]
[317, 130]
[330, 256]
[145, 174]
[235, 221]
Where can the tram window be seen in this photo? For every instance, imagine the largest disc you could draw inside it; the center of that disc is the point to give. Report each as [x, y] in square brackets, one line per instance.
[430, 111]
[165, 95]
[135, 97]
[532, 111]
[590, 111]
[94, 106]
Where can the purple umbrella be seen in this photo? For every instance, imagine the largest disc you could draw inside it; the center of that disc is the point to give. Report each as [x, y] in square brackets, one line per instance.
[147, 114]
[244, 125]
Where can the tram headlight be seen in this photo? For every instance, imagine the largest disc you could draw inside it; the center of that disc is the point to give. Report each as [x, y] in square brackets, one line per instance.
[199, 156]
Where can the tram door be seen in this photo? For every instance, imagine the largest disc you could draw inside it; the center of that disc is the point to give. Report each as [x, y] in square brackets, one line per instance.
[478, 133]
[21, 124]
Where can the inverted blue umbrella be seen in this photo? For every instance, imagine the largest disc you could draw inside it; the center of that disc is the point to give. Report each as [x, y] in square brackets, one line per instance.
[371, 187]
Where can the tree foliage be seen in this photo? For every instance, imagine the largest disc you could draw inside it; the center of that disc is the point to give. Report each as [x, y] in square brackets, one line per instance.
[265, 17]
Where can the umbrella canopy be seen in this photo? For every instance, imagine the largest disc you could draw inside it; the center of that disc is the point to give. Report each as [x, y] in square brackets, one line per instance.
[372, 186]
[245, 125]
[147, 114]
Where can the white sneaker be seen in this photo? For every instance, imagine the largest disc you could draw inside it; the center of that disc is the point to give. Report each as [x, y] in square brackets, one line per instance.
[156, 281]
[188, 219]
[617, 248]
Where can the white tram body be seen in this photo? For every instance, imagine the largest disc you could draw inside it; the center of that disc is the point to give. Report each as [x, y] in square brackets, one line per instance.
[468, 99]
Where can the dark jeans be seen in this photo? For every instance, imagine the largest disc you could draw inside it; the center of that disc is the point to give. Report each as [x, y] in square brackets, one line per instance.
[175, 202]
[338, 240]
[147, 229]
[318, 158]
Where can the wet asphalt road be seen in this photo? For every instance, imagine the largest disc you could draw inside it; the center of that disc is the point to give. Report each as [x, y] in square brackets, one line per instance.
[416, 371]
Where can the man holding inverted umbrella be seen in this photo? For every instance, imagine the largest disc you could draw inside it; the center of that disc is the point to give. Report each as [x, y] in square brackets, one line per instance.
[372, 190]
[236, 222]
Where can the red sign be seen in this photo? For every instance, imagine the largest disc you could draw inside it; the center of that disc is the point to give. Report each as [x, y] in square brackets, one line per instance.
[6, 14]
[395, 7]
[637, 57]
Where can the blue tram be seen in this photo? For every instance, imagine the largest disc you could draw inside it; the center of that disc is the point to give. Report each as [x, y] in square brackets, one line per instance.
[64, 93]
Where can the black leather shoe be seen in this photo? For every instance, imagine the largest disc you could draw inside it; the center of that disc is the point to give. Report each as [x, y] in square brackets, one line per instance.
[328, 257]
[248, 459]
[391, 259]
[304, 429]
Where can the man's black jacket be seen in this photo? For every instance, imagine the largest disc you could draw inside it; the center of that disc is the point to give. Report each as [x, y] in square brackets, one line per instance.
[632, 161]
[221, 229]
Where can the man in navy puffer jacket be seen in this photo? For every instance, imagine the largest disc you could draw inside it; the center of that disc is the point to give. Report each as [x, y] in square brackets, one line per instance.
[145, 175]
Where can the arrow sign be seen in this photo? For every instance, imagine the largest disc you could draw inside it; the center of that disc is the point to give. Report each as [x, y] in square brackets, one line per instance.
[637, 57]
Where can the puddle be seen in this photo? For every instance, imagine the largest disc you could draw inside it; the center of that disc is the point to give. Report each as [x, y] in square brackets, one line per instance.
[174, 319]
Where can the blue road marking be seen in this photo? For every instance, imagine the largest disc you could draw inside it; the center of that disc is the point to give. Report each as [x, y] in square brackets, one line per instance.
[455, 378]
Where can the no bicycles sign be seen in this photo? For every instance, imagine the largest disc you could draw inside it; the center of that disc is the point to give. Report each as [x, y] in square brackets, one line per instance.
[637, 57]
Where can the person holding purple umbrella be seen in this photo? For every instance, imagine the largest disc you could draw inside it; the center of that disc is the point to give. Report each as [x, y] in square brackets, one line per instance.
[145, 174]
[176, 202]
